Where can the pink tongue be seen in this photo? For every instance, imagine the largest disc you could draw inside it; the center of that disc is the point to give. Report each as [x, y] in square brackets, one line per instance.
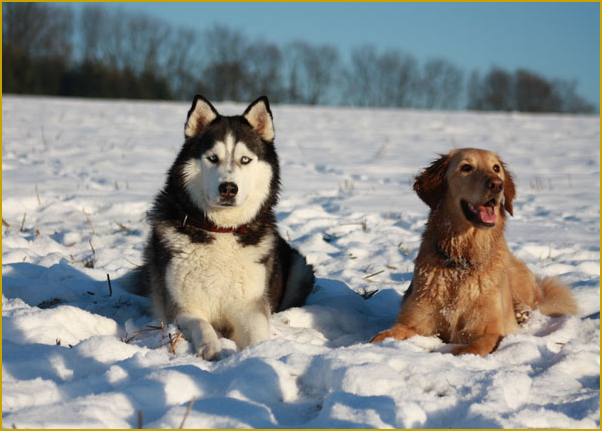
[486, 214]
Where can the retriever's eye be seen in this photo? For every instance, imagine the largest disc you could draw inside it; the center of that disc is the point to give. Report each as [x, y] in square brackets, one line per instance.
[245, 160]
[466, 167]
[213, 159]
[496, 168]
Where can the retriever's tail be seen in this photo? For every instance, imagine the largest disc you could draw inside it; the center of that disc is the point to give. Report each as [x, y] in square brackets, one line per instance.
[557, 298]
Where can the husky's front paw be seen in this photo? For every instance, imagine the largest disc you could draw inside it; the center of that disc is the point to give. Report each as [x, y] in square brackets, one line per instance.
[204, 338]
[209, 351]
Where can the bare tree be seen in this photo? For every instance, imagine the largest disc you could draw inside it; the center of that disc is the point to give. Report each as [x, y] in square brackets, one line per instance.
[396, 79]
[36, 47]
[359, 77]
[441, 85]
[497, 91]
[534, 94]
[264, 65]
[183, 63]
[137, 42]
[384, 78]
[113, 40]
[571, 102]
[387, 79]
[523, 91]
[474, 92]
[312, 70]
[146, 42]
[493, 92]
[225, 75]
[93, 19]
[37, 29]
[321, 65]
[405, 84]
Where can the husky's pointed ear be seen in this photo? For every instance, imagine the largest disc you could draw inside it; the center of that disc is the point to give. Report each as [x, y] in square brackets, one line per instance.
[201, 114]
[509, 189]
[430, 185]
[259, 116]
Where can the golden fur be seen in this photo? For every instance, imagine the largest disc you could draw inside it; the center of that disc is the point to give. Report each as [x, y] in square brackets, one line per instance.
[468, 288]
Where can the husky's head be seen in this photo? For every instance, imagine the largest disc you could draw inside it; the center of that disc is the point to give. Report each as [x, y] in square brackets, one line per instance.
[228, 165]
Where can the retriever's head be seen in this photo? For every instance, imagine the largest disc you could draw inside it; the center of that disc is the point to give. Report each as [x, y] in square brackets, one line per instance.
[474, 183]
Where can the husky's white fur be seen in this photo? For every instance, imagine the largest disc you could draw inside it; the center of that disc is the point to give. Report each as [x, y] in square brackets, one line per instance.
[223, 283]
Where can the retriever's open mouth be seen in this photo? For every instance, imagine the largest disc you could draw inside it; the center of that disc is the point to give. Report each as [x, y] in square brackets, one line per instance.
[481, 215]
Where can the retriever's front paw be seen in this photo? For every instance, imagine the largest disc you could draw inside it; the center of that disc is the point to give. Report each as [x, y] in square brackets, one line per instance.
[381, 336]
[397, 331]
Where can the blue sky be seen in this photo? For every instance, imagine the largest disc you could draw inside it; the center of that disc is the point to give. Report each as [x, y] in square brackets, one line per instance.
[557, 40]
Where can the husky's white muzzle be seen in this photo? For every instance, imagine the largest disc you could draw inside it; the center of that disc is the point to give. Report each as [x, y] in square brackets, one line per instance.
[228, 178]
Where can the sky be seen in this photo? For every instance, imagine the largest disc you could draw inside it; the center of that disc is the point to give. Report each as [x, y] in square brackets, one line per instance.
[556, 40]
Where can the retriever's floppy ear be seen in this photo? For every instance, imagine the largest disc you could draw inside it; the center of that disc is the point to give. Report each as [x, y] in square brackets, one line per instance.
[430, 185]
[201, 114]
[509, 189]
[259, 116]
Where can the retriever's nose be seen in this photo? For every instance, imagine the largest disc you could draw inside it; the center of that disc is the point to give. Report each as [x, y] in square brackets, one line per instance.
[228, 190]
[494, 184]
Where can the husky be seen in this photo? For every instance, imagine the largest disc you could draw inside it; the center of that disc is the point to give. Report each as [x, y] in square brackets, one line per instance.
[214, 261]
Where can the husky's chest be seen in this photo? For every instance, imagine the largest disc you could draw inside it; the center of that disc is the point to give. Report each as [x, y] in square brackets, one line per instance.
[217, 275]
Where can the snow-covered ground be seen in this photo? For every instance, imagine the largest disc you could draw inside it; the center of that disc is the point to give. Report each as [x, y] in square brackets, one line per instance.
[78, 177]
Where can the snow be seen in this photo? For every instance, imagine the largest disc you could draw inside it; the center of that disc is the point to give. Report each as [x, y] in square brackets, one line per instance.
[79, 175]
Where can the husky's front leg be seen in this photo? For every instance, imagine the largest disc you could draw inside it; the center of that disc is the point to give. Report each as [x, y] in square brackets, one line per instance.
[203, 336]
[251, 325]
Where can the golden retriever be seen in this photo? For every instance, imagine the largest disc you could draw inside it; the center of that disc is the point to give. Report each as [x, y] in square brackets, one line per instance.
[468, 288]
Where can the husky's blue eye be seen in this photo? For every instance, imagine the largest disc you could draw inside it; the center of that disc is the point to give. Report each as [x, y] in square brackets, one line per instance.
[213, 159]
[245, 160]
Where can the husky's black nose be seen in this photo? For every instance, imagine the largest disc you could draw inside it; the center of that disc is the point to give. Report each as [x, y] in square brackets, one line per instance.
[228, 190]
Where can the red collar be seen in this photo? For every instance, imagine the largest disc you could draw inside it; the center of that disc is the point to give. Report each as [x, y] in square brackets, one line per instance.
[210, 227]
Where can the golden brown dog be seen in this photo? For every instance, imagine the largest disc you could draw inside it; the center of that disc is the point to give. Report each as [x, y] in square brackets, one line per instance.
[467, 287]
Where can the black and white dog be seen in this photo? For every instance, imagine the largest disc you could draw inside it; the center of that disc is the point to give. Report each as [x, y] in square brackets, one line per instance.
[215, 261]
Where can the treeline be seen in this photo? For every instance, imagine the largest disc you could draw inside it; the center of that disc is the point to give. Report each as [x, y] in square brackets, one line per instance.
[524, 91]
[110, 53]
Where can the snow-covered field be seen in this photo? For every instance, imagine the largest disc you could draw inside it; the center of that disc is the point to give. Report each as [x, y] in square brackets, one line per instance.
[78, 177]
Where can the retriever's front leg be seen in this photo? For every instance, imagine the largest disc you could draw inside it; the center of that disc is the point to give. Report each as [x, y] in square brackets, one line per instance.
[483, 345]
[397, 331]
[415, 318]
